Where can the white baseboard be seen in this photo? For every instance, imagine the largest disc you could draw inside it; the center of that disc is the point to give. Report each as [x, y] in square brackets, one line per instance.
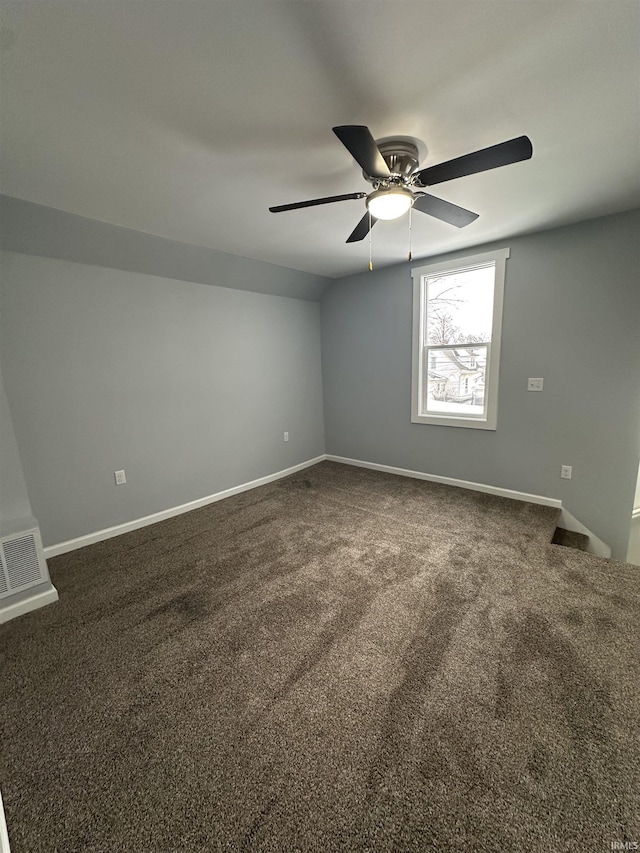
[26, 605]
[633, 552]
[4, 835]
[451, 481]
[128, 526]
[566, 520]
[594, 545]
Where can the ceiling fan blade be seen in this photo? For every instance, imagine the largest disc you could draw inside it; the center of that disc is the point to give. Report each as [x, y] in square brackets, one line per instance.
[359, 142]
[315, 201]
[512, 151]
[444, 210]
[362, 229]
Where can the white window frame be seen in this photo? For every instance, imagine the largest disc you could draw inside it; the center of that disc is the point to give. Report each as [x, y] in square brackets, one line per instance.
[420, 276]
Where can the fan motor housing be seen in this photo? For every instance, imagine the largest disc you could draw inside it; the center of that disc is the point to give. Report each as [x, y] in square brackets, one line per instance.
[401, 157]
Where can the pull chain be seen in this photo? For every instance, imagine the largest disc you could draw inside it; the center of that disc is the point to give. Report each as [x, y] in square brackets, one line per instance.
[370, 227]
[410, 256]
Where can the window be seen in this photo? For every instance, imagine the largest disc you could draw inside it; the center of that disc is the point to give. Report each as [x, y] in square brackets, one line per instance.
[457, 318]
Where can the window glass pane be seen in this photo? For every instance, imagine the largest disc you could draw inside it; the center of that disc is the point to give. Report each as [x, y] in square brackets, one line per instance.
[455, 380]
[459, 306]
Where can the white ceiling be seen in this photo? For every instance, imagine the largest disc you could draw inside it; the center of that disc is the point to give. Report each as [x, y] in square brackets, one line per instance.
[188, 119]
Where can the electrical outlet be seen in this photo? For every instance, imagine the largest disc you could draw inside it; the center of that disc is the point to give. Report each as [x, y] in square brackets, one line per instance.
[120, 476]
[565, 472]
[286, 436]
[535, 384]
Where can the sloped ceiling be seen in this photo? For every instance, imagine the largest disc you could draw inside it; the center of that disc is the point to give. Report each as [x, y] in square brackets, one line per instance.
[187, 120]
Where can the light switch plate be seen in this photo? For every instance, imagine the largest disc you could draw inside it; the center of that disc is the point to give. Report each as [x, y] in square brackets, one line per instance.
[535, 384]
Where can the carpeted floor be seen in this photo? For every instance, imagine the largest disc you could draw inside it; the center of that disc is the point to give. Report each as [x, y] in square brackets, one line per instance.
[341, 660]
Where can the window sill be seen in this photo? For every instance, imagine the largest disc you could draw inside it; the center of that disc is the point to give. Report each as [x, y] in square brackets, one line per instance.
[451, 421]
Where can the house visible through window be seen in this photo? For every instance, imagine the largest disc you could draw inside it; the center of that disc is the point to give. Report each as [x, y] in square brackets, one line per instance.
[457, 316]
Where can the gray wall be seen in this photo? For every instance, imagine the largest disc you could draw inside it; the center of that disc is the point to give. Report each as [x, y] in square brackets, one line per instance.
[188, 387]
[38, 230]
[14, 500]
[571, 315]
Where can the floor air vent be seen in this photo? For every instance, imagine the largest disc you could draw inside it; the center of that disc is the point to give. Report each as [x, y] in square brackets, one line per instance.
[23, 563]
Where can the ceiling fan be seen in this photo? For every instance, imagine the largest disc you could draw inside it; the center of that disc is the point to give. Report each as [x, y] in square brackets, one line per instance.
[391, 167]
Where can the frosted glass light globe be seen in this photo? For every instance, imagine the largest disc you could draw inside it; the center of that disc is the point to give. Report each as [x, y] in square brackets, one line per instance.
[389, 204]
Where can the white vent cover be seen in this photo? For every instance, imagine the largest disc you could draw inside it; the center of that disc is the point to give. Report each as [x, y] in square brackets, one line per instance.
[22, 562]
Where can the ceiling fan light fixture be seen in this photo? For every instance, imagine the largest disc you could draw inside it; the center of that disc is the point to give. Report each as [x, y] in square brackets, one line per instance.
[389, 203]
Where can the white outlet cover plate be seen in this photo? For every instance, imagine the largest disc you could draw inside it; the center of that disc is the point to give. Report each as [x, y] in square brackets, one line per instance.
[121, 478]
[535, 384]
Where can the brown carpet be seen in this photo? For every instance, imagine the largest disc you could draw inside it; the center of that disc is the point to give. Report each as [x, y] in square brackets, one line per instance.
[342, 660]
